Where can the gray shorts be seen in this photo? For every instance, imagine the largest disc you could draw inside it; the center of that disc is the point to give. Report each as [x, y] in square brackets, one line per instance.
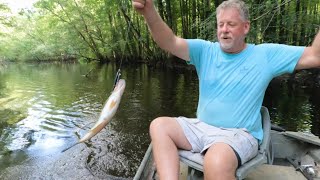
[201, 136]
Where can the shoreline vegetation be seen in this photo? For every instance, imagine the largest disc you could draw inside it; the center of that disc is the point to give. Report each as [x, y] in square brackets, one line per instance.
[108, 31]
[100, 32]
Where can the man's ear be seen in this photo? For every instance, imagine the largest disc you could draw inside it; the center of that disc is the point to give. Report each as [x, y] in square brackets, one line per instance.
[247, 27]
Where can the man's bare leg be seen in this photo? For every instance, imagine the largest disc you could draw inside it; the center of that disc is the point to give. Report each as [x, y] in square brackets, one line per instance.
[220, 162]
[167, 135]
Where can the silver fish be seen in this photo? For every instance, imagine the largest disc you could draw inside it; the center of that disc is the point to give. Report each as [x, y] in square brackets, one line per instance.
[109, 110]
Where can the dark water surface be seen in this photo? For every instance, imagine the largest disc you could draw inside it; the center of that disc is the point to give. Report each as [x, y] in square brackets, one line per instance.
[46, 107]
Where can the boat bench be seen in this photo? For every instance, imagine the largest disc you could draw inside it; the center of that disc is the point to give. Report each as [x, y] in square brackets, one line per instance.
[194, 161]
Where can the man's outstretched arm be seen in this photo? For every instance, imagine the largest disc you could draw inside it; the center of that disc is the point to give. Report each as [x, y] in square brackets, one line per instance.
[311, 55]
[160, 31]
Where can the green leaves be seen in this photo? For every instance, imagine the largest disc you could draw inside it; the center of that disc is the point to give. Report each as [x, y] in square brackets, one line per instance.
[97, 29]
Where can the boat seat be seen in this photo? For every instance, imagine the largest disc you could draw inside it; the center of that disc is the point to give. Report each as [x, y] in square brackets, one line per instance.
[194, 161]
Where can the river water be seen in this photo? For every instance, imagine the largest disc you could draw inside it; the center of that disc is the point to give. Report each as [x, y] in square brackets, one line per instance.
[44, 108]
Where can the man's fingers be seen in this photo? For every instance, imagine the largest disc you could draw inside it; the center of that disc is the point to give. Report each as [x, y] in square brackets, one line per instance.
[138, 4]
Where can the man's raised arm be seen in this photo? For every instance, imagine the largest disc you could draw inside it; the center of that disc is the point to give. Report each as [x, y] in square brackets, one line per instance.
[160, 31]
[311, 55]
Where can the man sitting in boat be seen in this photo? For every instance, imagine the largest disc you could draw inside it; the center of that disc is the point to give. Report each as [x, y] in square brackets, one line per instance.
[233, 76]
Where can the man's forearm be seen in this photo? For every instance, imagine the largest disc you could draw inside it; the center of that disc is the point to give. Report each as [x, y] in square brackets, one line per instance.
[316, 43]
[160, 31]
[316, 47]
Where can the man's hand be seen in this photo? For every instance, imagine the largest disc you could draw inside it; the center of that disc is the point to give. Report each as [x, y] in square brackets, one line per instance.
[143, 7]
[138, 4]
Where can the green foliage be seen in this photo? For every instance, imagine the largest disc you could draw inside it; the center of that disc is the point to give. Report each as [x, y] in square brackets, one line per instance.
[107, 30]
[5, 20]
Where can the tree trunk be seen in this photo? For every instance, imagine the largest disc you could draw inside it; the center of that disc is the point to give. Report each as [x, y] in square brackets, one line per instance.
[296, 21]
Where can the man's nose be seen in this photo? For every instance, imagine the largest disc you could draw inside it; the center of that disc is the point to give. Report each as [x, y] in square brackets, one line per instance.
[225, 28]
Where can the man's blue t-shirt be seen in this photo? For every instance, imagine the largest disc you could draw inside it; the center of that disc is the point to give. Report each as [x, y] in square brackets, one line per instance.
[232, 86]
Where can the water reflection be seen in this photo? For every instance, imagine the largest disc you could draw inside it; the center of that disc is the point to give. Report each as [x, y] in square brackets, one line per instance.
[46, 107]
[293, 106]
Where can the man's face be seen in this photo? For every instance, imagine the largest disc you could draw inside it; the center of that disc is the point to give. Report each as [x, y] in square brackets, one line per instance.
[232, 30]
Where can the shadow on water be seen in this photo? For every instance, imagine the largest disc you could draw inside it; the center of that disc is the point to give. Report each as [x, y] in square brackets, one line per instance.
[45, 108]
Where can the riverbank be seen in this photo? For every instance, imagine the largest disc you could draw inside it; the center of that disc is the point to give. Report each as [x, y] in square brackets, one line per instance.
[68, 165]
[71, 164]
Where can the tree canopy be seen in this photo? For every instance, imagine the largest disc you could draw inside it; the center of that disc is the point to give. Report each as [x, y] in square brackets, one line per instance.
[110, 30]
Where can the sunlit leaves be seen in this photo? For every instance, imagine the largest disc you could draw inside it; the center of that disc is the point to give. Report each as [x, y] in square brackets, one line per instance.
[98, 29]
[6, 19]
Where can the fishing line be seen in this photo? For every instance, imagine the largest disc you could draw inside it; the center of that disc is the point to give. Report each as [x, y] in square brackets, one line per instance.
[116, 80]
[118, 74]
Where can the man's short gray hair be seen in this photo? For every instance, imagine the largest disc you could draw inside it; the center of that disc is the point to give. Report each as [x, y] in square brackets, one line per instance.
[238, 4]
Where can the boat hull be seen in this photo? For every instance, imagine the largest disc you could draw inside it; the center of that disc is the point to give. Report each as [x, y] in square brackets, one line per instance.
[295, 146]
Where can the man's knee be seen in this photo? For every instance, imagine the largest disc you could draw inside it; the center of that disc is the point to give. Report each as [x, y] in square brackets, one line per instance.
[220, 161]
[158, 125]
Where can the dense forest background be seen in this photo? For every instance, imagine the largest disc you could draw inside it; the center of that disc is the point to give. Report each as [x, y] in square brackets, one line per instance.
[110, 30]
